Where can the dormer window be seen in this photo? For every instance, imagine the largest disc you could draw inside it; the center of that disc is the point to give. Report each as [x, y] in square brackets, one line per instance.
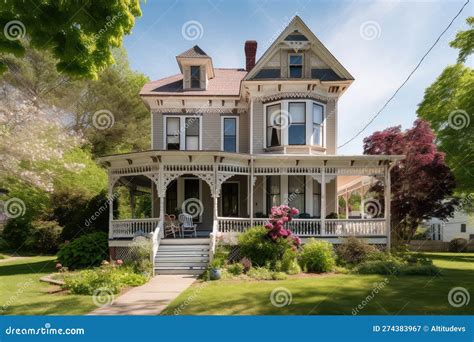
[195, 77]
[295, 65]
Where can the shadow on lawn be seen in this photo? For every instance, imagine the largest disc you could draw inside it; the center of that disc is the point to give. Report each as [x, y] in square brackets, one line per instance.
[58, 305]
[27, 267]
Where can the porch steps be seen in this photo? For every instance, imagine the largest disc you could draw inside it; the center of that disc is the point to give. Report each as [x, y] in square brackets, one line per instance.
[182, 256]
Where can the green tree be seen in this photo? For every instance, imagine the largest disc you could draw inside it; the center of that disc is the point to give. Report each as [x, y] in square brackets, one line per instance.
[448, 105]
[79, 34]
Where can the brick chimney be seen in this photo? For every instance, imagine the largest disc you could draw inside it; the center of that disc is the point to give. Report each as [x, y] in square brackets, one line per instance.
[250, 53]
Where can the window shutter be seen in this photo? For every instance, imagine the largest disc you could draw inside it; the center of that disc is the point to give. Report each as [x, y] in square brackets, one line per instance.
[203, 78]
[187, 77]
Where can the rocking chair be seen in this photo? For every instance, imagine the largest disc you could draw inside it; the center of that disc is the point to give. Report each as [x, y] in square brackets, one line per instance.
[170, 226]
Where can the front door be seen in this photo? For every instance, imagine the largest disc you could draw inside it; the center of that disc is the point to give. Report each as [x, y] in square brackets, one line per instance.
[230, 199]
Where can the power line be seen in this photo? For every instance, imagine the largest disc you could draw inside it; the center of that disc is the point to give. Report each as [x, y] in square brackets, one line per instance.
[406, 80]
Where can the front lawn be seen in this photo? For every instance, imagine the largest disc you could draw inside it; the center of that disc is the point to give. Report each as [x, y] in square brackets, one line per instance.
[336, 294]
[21, 292]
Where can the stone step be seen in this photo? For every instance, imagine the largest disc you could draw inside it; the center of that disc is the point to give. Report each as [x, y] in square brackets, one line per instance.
[175, 271]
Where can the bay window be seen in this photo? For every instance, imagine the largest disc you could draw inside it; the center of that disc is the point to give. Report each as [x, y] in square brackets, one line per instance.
[297, 123]
[273, 125]
[317, 124]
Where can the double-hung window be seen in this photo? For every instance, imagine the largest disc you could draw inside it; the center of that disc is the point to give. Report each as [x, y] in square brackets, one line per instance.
[274, 120]
[229, 139]
[296, 192]
[273, 192]
[195, 77]
[182, 133]
[192, 133]
[297, 123]
[172, 134]
[296, 66]
[318, 118]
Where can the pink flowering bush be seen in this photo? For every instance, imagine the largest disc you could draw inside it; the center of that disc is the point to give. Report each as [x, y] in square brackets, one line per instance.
[279, 216]
[266, 246]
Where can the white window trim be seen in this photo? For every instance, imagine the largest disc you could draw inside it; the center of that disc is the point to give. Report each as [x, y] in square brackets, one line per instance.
[284, 105]
[302, 65]
[182, 130]
[237, 131]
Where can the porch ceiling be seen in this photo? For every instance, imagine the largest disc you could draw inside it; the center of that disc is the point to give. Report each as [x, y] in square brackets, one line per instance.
[210, 157]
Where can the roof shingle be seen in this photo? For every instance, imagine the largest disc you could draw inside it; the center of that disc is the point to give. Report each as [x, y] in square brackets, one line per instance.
[225, 83]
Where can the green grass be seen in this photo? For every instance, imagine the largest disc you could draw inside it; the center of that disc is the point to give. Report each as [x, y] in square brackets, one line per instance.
[21, 292]
[337, 294]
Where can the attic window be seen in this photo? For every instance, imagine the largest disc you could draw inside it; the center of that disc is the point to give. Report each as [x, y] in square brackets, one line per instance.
[296, 66]
[195, 77]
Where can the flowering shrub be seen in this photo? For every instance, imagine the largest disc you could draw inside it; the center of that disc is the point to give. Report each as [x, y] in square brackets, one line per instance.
[266, 246]
[276, 224]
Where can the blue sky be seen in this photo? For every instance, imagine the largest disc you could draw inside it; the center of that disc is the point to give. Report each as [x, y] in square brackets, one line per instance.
[404, 30]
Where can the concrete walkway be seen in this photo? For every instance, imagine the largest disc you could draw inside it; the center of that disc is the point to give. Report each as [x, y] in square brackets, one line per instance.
[149, 299]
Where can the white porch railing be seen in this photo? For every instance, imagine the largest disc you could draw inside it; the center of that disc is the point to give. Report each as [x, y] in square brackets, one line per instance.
[366, 227]
[310, 227]
[133, 227]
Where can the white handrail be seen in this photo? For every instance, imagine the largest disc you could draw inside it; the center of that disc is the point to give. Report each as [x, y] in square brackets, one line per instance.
[156, 236]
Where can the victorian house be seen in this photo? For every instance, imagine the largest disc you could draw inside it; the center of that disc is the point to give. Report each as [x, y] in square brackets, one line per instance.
[228, 144]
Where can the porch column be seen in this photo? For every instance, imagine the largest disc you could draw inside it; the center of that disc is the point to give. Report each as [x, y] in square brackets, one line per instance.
[323, 200]
[347, 204]
[387, 190]
[110, 199]
[251, 192]
[362, 203]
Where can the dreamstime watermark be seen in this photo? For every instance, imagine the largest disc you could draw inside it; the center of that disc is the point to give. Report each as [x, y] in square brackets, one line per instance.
[14, 30]
[372, 207]
[18, 293]
[192, 206]
[370, 30]
[101, 209]
[458, 119]
[281, 297]
[13, 207]
[108, 24]
[103, 119]
[192, 30]
[46, 330]
[103, 296]
[280, 119]
[191, 298]
[458, 296]
[377, 288]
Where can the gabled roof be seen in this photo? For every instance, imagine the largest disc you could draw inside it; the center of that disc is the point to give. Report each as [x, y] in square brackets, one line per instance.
[298, 31]
[194, 52]
[225, 83]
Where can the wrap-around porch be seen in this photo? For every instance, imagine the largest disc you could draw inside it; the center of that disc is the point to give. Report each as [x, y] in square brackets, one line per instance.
[226, 193]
